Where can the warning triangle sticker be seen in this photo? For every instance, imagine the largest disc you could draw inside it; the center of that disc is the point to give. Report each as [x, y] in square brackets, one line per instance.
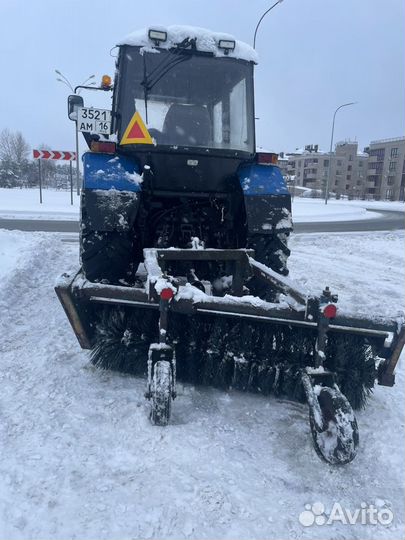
[136, 132]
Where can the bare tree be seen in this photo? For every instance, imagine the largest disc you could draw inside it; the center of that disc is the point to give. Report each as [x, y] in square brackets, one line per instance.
[14, 164]
[13, 147]
[6, 145]
[20, 148]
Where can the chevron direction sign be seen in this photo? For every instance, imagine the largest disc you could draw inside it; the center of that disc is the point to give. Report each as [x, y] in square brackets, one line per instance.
[54, 154]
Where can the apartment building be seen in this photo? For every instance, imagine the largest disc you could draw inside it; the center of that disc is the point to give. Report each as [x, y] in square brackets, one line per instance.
[310, 168]
[282, 162]
[386, 169]
[350, 173]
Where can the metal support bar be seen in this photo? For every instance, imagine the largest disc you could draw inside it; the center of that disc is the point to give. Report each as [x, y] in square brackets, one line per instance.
[387, 377]
[203, 254]
[122, 302]
[139, 296]
[114, 292]
[323, 327]
[163, 320]
[281, 283]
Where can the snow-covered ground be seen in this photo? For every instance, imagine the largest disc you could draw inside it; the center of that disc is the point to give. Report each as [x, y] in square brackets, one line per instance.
[315, 210]
[15, 250]
[24, 204]
[79, 458]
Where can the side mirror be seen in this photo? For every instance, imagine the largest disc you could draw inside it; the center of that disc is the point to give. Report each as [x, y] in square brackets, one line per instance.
[74, 103]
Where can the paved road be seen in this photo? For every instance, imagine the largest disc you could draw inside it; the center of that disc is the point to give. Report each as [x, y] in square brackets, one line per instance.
[39, 225]
[387, 222]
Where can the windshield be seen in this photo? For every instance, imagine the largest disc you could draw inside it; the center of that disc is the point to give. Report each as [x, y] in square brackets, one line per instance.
[187, 99]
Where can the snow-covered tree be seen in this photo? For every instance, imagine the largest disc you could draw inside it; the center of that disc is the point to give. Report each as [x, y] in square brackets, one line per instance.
[14, 153]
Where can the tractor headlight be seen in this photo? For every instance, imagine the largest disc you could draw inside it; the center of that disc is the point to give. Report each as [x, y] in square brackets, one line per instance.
[157, 36]
[226, 45]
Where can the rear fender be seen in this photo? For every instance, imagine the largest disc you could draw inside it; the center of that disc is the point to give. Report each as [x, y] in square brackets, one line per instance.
[111, 192]
[267, 199]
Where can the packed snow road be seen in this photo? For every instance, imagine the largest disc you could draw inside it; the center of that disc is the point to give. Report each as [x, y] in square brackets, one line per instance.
[79, 457]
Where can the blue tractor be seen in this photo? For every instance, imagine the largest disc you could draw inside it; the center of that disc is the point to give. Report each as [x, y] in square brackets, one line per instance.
[193, 172]
[183, 245]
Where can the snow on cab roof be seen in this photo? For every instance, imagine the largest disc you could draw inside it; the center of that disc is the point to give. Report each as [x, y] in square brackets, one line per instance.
[206, 41]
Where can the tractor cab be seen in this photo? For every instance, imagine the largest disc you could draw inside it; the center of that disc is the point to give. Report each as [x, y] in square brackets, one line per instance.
[193, 93]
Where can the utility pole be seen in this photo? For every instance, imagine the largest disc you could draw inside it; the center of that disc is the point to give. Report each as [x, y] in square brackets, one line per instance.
[77, 159]
[260, 20]
[331, 148]
[64, 80]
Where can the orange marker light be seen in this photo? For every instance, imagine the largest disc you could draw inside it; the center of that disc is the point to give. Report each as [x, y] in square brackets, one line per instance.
[106, 81]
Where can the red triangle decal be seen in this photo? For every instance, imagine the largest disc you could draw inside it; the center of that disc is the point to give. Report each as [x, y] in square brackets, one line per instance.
[136, 132]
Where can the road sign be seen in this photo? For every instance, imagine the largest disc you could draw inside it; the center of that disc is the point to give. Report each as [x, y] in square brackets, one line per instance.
[92, 120]
[54, 154]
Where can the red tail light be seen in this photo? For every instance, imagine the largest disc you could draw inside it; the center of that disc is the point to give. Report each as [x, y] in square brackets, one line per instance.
[266, 158]
[106, 147]
[330, 311]
[166, 294]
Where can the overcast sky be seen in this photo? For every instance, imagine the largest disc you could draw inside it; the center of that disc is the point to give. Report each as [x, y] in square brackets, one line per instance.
[314, 55]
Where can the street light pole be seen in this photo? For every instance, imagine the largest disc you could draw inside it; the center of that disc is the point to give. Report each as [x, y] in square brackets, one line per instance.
[67, 83]
[260, 20]
[77, 159]
[331, 147]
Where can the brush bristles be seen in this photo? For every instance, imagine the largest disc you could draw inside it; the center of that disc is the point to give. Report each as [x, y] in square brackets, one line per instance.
[229, 353]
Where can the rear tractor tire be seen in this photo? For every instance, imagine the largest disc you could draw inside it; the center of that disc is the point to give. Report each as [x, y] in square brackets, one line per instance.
[271, 250]
[108, 255]
[161, 393]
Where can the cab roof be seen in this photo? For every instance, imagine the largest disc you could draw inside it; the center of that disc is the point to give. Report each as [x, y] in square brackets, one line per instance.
[206, 41]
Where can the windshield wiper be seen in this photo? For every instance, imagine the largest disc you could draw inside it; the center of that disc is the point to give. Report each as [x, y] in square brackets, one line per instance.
[166, 65]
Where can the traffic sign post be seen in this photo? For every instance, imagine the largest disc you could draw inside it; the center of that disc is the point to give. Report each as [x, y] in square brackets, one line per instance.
[54, 155]
[40, 181]
[71, 182]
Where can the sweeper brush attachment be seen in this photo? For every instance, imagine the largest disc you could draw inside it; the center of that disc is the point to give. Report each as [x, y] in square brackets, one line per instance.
[171, 325]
